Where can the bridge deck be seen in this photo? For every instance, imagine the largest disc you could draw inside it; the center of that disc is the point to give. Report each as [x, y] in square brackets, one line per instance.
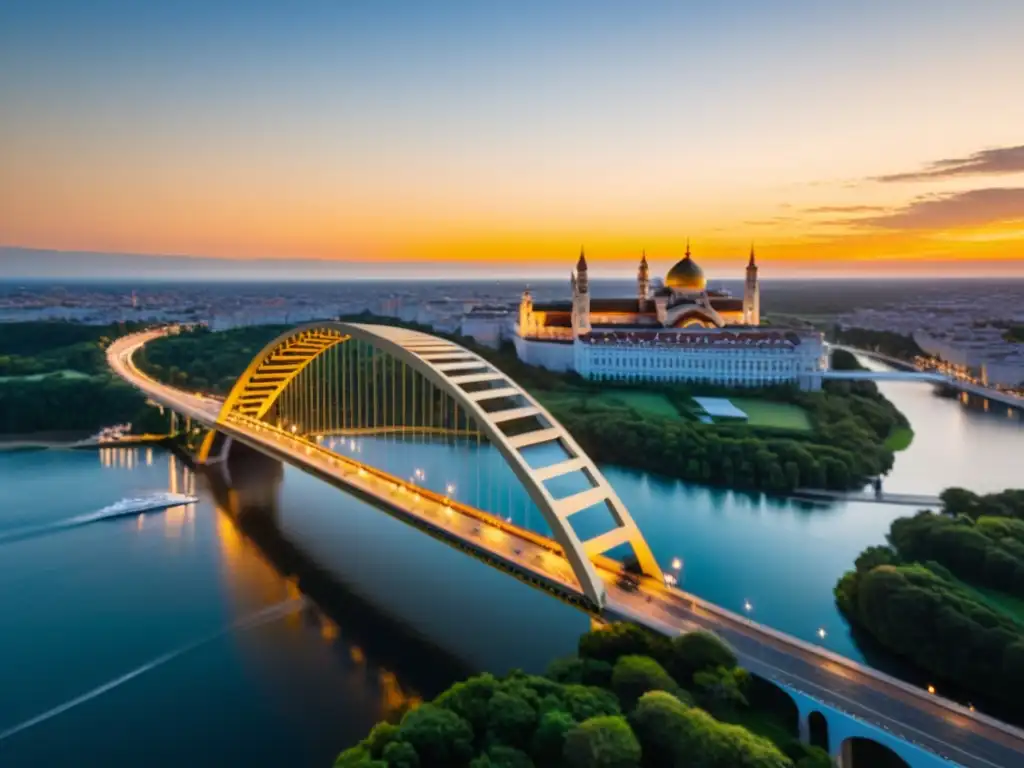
[969, 738]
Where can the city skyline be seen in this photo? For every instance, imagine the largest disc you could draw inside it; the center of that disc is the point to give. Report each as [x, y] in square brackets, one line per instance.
[369, 139]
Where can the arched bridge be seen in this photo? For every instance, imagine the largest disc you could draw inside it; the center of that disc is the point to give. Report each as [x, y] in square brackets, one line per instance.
[324, 382]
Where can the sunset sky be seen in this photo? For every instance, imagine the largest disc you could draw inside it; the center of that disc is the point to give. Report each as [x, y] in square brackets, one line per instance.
[492, 137]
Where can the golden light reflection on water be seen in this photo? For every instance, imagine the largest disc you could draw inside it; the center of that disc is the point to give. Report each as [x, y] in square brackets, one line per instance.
[249, 580]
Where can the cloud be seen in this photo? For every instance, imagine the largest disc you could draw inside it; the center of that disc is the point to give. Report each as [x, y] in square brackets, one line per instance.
[845, 209]
[976, 208]
[988, 161]
[775, 220]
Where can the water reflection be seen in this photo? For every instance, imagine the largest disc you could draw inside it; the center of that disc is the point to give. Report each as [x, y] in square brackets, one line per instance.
[259, 559]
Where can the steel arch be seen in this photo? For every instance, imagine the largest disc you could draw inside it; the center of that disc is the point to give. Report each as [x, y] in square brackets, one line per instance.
[450, 366]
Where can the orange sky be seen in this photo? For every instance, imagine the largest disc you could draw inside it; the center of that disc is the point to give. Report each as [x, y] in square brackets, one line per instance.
[373, 139]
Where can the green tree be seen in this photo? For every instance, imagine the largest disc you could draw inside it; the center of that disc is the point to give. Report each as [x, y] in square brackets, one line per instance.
[470, 700]
[699, 650]
[633, 676]
[609, 643]
[675, 736]
[959, 501]
[602, 742]
[511, 719]
[400, 754]
[441, 738]
[381, 735]
[502, 756]
[722, 690]
[573, 669]
[549, 739]
[358, 757]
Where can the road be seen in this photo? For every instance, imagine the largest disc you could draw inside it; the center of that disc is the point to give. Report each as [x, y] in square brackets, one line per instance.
[941, 726]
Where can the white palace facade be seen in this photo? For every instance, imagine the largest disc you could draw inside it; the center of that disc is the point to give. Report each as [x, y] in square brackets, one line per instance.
[673, 330]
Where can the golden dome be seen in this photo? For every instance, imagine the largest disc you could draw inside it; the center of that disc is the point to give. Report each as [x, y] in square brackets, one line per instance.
[686, 276]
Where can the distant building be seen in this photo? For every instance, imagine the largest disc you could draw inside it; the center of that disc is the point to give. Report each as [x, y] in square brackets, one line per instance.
[487, 325]
[675, 331]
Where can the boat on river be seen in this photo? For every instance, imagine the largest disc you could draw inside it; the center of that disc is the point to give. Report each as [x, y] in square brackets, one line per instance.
[154, 502]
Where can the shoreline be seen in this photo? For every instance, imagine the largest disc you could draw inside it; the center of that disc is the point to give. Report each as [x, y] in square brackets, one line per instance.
[49, 444]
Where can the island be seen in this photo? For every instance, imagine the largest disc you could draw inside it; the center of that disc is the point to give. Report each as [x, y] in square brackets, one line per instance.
[947, 594]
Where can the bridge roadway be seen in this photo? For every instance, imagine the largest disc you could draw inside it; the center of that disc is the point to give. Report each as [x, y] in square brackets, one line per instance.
[908, 372]
[936, 724]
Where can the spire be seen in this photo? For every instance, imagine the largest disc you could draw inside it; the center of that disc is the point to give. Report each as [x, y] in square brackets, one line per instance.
[752, 262]
[643, 258]
[687, 248]
[581, 265]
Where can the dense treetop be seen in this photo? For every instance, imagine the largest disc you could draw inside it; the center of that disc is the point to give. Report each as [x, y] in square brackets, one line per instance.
[613, 706]
[938, 593]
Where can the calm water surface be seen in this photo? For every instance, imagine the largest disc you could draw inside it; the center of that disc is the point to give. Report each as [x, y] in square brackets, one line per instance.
[275, 624]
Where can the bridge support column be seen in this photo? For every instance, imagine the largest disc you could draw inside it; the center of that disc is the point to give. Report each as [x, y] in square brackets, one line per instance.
[804, 728]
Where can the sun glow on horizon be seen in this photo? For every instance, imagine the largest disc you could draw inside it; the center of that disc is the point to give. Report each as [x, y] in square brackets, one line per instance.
[387, 138]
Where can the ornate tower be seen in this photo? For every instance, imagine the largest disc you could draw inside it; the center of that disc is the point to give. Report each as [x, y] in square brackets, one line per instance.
[751, 294]
[643, 282]
[581, 298]
[526, 314]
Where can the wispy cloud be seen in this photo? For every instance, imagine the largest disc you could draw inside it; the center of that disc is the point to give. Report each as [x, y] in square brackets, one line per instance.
[846, 209]
[986, 162]
[975, 208]
[773, 221]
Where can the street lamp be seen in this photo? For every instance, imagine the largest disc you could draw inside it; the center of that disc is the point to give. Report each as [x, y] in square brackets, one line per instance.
[748, 606]
[822, 633]
[677, 563]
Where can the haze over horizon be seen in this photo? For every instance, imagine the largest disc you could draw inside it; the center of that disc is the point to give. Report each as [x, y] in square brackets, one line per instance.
[483, 139]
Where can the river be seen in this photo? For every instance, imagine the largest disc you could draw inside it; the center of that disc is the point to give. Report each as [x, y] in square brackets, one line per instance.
[275, 627]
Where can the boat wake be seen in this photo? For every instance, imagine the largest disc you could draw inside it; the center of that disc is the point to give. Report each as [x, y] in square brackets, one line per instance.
[123, 508]
[264, 616]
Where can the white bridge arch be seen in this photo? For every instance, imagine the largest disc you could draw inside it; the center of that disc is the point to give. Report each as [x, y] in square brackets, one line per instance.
[449, 367]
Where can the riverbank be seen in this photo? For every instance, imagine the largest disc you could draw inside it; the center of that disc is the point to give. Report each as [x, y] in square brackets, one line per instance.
[43, 440]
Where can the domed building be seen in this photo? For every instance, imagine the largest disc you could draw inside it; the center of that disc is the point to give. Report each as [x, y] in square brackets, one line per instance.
[685, 276]
[674, 329]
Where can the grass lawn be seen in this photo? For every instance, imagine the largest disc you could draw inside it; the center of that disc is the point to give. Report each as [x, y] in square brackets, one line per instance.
[651, 404]
[765, 413]
[900, 439]
[64, 374]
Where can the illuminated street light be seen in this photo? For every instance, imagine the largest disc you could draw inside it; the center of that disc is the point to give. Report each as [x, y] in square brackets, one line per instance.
[748, 606]
[676, 564]
[822, 633]
[450, 488]
[931, 689]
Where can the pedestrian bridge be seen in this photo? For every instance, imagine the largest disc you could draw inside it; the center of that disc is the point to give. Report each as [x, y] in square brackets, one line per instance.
[931, 378]
[322, 382]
